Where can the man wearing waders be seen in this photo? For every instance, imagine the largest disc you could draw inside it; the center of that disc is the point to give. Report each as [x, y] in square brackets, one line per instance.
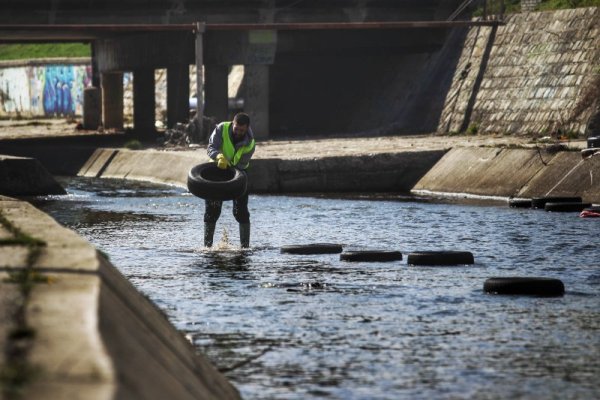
[230, 145]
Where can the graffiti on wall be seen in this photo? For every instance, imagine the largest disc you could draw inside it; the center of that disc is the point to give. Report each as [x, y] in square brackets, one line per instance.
[45, 90]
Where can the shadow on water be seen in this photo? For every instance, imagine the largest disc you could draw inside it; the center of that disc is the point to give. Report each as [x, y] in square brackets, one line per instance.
[231, 261]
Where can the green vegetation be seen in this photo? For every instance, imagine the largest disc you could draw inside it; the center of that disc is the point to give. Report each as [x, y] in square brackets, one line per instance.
[43, 50]
[472, 130]
[514, 6]
[133, 144]
[560, 4]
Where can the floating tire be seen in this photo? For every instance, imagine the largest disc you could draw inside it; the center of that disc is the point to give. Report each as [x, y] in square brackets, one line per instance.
[314, 248]
[566, 207]
[519, 203]
[440, 258]
[540, 202]
[548, 287]
[209, 182]
[371, 256]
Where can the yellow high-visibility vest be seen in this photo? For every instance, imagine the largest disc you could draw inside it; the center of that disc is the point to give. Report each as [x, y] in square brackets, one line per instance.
[229, 149]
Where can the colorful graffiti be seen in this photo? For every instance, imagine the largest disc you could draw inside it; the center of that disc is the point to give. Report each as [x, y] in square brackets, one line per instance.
[47, 90]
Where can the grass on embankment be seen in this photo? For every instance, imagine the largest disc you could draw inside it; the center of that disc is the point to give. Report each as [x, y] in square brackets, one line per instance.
[561, 4]
[43, 50]
[514, 6]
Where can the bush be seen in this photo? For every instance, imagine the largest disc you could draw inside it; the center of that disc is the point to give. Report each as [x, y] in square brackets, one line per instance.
[133, 144]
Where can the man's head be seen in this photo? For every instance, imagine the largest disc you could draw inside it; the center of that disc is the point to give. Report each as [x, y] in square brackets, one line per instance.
[241, 123]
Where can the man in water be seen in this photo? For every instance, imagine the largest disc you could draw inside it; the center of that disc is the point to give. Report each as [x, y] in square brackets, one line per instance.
[230, 145]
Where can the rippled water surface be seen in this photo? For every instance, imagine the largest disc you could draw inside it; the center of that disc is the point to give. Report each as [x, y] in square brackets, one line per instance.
[299, 327]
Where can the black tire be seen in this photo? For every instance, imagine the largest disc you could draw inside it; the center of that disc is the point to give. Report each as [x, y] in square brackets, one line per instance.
[519, 203]
[371, 255]
[212, 183]
[525, 286]
[314, 248]
[440, 258]
[566, 207]
[540, 202]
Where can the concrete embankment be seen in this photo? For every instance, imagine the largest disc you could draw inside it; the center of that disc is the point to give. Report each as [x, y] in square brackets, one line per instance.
[385, 172]
[487, 171]
[514, 172]
[74, 327]
[26, 177]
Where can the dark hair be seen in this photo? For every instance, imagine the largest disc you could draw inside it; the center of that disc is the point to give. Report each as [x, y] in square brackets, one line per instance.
[242, 119]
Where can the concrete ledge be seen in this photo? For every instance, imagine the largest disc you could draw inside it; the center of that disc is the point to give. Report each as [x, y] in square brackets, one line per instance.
[95, 336]
[20, 176]
[386, 172]
[513, 172]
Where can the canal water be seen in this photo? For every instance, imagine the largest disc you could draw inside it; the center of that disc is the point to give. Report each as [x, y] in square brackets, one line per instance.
[284, 326]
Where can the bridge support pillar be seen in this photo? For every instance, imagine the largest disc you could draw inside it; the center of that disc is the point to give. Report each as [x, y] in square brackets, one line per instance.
[112, 100]
[143, 104]
[216, 91]
[178, 93]
[256, 98]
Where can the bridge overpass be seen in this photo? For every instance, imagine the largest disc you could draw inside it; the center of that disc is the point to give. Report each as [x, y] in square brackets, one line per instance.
[311, 66]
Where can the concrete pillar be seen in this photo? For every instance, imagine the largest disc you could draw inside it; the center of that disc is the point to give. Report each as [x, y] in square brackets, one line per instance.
[178, 94]
[216, 91]
[91, 108]
[199, 134]
[256, 98]
[95, 70]
[112, 100]
[143, 104]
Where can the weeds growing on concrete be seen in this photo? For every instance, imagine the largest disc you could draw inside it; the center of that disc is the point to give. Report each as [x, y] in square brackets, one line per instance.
[16, 373]
[133, 144]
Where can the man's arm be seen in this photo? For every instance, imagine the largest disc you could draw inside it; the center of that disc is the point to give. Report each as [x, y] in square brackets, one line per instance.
[215, 143]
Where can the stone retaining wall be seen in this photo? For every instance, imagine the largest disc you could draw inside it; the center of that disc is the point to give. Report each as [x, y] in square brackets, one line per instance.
[539, 73]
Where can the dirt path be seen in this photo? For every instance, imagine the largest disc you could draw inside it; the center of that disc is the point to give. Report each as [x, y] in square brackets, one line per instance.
[298, 148]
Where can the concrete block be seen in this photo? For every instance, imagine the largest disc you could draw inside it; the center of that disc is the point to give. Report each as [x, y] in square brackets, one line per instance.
[21, 176]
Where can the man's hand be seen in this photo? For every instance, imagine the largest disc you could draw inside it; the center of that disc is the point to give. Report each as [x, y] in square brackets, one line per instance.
[222, 161]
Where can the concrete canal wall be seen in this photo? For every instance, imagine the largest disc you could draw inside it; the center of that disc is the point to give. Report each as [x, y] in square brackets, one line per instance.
[74, 328]
[397, 172]
[514, 172]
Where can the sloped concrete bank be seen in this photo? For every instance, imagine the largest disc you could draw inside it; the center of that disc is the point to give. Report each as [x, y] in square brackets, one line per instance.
[513, 172]
[385, 172]
[482, 171]
[74, 328]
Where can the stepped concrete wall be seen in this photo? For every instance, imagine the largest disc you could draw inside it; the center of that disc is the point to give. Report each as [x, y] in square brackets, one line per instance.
[539, 73]
[81, 330]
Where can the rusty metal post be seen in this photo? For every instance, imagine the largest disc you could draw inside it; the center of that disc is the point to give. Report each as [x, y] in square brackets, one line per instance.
[199, 136]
